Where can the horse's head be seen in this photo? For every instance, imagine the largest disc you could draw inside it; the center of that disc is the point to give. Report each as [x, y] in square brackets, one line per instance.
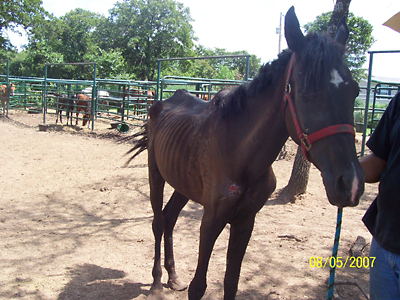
[86, 119]
[320, 93]
[12, 89]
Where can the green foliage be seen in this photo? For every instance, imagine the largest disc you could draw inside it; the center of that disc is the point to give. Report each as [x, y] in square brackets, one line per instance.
[146, 30]
[359, 103]
[360, 40]
[75, 37]
[25, 13]
[218, 68]
[111, 64]
[64, 40]
[125, 45]
[31, 63]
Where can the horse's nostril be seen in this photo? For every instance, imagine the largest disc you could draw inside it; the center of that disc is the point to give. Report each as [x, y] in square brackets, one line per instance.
[343, 186]
[340, 185]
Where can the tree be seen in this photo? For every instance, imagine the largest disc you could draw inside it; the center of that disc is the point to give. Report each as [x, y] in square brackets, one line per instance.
[75, 38]
[146, 30]
[110, 64]
[125, 45]
[360, 38]
[219, 68]
[15, 13]
[301, 167]
[31, 62]
[66, 39]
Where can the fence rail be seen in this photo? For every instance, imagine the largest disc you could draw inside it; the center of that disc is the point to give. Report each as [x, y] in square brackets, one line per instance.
[128, 101]
[124, 101]
[114, 100]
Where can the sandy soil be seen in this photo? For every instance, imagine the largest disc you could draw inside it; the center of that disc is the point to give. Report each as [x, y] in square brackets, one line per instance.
[76, 224]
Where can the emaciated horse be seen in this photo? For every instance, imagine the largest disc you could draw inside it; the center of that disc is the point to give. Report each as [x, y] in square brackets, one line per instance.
[4, 94]
[219, 153]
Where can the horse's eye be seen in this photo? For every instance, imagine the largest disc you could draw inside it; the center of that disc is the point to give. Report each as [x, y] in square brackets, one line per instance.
[354, 88]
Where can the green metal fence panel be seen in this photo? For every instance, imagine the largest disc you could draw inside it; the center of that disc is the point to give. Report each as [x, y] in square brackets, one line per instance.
[27, 94]
[203, 88]
[124, 101]
[367, 99]
[160, 60]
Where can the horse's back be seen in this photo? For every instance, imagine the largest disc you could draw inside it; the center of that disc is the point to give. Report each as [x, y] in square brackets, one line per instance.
[181, 113]
[180, 102]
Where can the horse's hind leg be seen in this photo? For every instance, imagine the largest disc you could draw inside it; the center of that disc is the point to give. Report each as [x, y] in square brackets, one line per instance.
[171, 213]
[156, 198]
[3, 104]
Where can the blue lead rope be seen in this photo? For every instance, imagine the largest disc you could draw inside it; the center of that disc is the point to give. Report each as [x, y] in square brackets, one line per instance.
[332, 270]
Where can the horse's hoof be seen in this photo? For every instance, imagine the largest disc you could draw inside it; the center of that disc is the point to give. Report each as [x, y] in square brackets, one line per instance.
[155, 295]
[176, 285]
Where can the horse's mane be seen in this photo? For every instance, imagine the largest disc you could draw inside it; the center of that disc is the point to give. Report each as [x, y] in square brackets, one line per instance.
[268, 75]
[316, 61]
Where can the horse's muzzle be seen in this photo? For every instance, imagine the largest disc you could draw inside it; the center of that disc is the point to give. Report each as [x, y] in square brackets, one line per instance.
[345, 189]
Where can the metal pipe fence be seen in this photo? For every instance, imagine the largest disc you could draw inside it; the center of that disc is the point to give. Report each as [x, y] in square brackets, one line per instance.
[114, 100]
[128, 101]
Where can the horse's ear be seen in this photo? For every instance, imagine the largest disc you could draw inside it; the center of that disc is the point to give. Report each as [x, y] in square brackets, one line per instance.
[342, 33]
[294, 37]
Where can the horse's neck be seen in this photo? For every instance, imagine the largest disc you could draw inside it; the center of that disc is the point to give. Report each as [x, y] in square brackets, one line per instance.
[261, 125]
[267, 110]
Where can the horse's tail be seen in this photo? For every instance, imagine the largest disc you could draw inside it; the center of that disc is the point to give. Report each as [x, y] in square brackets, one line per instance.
[140, 144]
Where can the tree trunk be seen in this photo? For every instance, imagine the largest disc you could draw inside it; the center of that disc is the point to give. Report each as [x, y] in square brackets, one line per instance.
[341, 9]
[298, 179]
[301, 167]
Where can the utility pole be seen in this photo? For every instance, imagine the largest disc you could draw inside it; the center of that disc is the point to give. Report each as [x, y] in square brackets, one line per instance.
[279, 31]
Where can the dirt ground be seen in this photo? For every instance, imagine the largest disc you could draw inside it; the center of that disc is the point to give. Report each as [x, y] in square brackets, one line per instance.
[76, 224]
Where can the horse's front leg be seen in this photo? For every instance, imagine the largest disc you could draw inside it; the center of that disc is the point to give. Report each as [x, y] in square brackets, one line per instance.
[239, 238]
[57, 111]
[171, 213]
[67, 113]
[241, 229]
[210, 229]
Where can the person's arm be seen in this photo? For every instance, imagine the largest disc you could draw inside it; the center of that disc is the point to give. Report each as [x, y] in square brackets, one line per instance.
[373, 167]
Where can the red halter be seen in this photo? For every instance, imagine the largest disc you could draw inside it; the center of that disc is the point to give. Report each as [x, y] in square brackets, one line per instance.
[308, 140]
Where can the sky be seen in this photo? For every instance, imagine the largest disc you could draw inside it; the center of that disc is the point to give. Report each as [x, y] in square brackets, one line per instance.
[251, 25]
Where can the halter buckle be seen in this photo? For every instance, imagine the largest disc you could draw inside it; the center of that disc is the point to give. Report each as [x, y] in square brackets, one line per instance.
[307, 145]
[288, 88]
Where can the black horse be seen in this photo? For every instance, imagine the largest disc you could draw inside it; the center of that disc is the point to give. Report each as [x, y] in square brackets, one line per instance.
[219, 153]
[64, 103]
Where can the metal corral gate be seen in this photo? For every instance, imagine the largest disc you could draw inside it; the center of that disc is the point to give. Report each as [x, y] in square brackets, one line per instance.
[160, 60]
[123, 101]
[367, 99]
[120, 101]
[201, 87]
